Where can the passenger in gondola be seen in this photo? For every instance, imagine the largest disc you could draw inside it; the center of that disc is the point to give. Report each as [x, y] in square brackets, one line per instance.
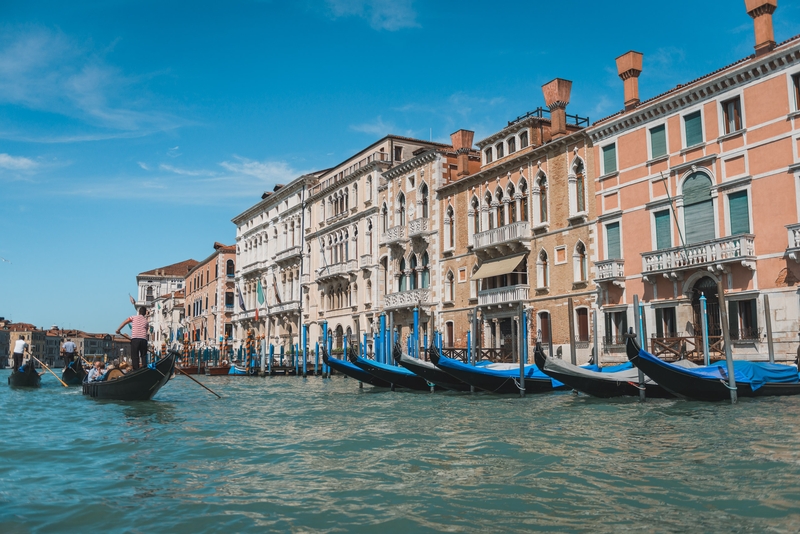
[20, 348]
[96, 373]
[125, 367]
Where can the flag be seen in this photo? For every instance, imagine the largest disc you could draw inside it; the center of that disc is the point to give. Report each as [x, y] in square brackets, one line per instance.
[241, 299]
[259, 296]
[133, 302]
[275, 288]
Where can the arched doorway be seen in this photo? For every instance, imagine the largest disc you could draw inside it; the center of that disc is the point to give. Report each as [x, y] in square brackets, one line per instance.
[338, 338]
[708, 287]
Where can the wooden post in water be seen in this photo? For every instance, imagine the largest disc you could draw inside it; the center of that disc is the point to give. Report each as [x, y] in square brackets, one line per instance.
[640, 339]
[572, 352]
[726, 336]
[768, 320]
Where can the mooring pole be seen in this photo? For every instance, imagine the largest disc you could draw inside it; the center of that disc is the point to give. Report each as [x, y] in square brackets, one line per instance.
[316, 359]
[305, 343]
[382, 339]
[595, 338]
[416, 332]
[726, 336]
[524, 336]
[520, 341]
[704, 317]
[389, 340]
[640, 339]
[768, 321]
[572, 352]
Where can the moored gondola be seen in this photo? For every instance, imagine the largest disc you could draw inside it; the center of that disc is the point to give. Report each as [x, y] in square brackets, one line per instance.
[497, 377]
[348, 369]
[26, 377]
[141, 384]
[428, 371]
[395, 375]
[710, 383]
[73, 374]
[603, 384]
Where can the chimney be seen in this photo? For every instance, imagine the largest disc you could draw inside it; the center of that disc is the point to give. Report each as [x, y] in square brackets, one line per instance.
[556, 96]
[462, 142]
[629, 67]
[761, 11]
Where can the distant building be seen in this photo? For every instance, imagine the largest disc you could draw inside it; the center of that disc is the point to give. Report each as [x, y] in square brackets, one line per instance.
[5, 350]
[167, 318]
[209, 297]
[33, 336]
[152, 284]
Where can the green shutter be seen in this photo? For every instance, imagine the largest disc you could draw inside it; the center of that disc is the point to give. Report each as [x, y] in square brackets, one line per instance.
[612, 236]
[663, 230]
[739, 213]
[658, 141]
[609, 159]
[694, 128]
[698, 208]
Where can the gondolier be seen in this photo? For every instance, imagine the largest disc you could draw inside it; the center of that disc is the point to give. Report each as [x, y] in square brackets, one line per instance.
[20, 347]
[139, 326]
[68, 352]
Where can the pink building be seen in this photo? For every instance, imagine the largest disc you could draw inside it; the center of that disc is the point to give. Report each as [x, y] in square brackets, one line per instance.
[700, 184]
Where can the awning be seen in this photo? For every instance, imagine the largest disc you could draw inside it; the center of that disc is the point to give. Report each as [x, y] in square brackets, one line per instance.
[498, 267]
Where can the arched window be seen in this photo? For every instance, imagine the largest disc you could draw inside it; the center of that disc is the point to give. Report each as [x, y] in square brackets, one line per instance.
[501, 208]
[512, 212]
[523, 201]
[451, 227]
[401, 280]
[425, 279]
[384, 218]
[412, 279]
[580, 264]
[355, 194]
[698, 208]
[543, 199]
[401, 202]
[450, 287]
[542, 270]
[339, 337]
[476, 214]
[345, 203]
[369, 188]
[229, 269]
[487, 202]
[580, 186]
[345, 246]
[423, 193]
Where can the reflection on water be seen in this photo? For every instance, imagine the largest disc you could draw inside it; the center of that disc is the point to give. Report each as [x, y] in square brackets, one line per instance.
[292, 454]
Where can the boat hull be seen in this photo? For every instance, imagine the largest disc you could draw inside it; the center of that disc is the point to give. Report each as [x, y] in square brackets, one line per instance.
[28, 379]
[396, 378]
[74, 374]
[349, 369]
[141, 384]
[217, 370]
[431, 373]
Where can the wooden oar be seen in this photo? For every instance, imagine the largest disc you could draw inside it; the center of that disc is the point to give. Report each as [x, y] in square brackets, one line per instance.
[55, 375]
[195, 381]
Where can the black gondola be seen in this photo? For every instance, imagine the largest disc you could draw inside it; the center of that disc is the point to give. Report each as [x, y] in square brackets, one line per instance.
[73, 374]
[141, 384]
[710, 383]
[497, 378]
[428, 371]
[597, 384]
[347, 368]
[397, 376]
[26, 377]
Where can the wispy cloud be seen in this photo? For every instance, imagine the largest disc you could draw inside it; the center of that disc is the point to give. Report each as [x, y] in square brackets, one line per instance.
[272, 172]
[143, 165]
[46, 71]
[185, 172]
[17, 163]
[376, 127]
[390, 15]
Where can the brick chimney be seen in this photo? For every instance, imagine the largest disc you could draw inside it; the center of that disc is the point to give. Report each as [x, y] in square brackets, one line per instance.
[761, 11]
[556, 96]
[462, 142]
[629, 67]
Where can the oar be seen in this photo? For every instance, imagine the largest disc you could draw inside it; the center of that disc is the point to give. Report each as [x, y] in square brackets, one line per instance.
[195, 381]
[55, 375]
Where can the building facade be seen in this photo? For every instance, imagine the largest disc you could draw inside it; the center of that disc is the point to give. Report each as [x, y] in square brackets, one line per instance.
[208, 300]
[156, 282]
[167, 318]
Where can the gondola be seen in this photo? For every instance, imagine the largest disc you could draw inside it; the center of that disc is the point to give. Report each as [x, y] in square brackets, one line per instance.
[617, 381]
[238, 370]
[428, 371]
[710, 383]
[218, 370]
[26, 377]
[141, 384]
[497, 377]
[395, 375]
[73, 374]
[347, 368]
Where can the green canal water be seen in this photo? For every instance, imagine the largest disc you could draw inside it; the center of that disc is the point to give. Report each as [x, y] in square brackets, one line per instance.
[315, 455]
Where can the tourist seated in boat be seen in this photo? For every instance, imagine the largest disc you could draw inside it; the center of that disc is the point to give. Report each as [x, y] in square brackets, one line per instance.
[96, 373]
[125, 367]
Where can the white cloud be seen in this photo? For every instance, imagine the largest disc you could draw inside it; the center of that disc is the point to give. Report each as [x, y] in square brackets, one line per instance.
[377, 127]
[391, 15]
[17, 163]
[185, 172]
[273, 172]
[143, 165]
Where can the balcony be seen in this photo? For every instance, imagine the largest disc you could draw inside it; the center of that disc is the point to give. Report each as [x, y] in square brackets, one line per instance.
[419, 227]
[288, 254]
[366, 260]
[501, 296]
[305, 278]
[334, 269]
[285, 307]
[352, 266]
[407, 299]
[509, 239]
[612, 271]
[793, 250]
[393, 236]
[713, 254]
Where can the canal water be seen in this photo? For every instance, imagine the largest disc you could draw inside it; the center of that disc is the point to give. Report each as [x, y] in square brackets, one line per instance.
[315, 455]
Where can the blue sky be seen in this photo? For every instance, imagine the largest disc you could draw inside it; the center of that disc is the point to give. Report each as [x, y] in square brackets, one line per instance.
[131, 132]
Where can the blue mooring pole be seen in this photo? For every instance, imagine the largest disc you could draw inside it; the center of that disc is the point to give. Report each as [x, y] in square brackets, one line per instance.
[382, 346]
[525, 336]
[416, 332]
[704, 316]
[325, 344]
[316, 360]
[271, 355]
[305, 344]
[469, 345]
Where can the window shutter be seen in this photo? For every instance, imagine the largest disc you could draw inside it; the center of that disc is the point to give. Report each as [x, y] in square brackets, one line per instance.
[698, 210]
[663, 230]
[612, 236]
[658, 141]
[733, 319]
[609, 159]
[739, 213]
[694, 128]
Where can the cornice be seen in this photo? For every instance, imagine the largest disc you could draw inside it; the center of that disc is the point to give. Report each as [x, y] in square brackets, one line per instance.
[369, 167]
[408, 165]
[344, 222]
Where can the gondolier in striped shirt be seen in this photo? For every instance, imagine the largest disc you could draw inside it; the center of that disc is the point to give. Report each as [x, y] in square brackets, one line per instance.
[139, 326]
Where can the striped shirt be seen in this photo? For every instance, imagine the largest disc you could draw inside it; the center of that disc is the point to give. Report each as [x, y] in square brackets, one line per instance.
[139, 326]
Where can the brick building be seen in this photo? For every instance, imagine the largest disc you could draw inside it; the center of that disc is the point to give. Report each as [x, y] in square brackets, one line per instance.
[209, 290]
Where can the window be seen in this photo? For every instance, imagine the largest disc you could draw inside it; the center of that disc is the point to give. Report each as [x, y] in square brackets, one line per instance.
[732, 114]
[580, 263]
[693, 128]
[698, 208]
[616, 326]
[543, 270]
[739, 213]
[229, 269]
[582, 315]
[426, 274]
[658, 141]
[384, 218]
[512, 145]
[543, 199]
[512, 209]
[580, 188]
[401, 200]
[544, 327]
[523, 201]
[398, 153]
[742, 319]
[523, 139]
[423, 191]
[476, 214]
[488, 154]
[450, 287]
[663, 229]
[613, 248]
[499, 149]
[229, 299]
[796, 90]
[412, 278]
[501, 208]
[665, 322]
[609, 159]
[451, 227]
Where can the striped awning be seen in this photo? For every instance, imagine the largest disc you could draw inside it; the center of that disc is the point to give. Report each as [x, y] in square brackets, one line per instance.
[498, 267]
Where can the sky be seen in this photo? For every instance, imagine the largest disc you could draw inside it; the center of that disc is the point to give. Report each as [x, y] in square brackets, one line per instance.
[132, 132]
